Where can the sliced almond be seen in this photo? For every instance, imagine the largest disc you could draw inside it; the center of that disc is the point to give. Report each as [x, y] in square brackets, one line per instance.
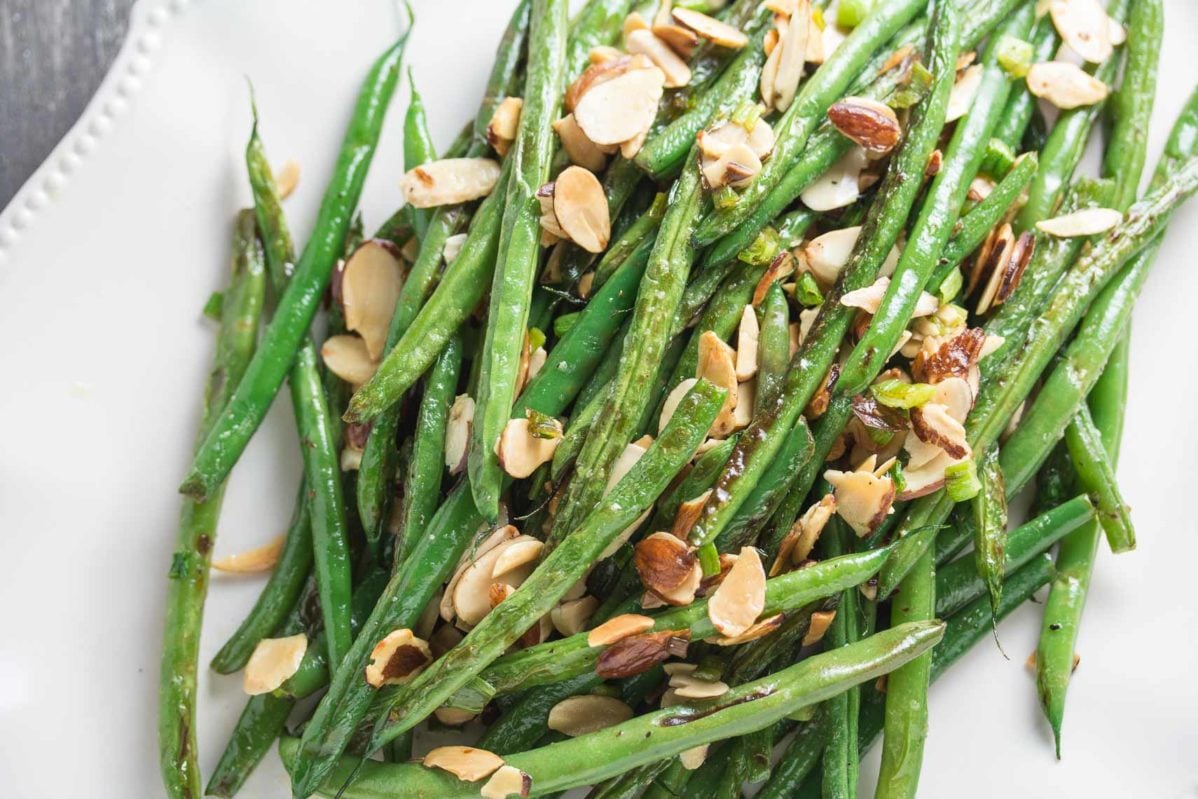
[457, 432]
[286, 179]
[397, 659]
[347, 357]
[747, 334]
[933, 424]
[618, 627]
[961, 98]
[791, 56]
[471, 593]
[570, 618]
[449, 181]
[505, 123]
[647, 43]
[667, 567]
[710, 28]
[507, 781]
[740, 598]
[869, 123]
[578, 147]
[742, 414]
[370, 284]
[453, 246]
[761, 629]
[515, 556]
[453, 716]
[868, 299]
[636, 654]
[716, 141]
[717, 364]
[927, 478]
[580, 206]
[630, 148]
[619, 109]
[623, 465]
[520, 452]
[736, 167]
[687, 686]
[1087, 222]
[600, 53]
[1065, 85]
[273, 662]
[821, 620]
[492, 540]
[586, 713]
[599, 72]
[694, 757]
[464, 762]
[863, 499]
[839, 186]
[781, 267]
[828, 254]
[956, 397]
[634, 22]
[688, 513]
[679, 39]
[800, 540]
[1085, 27]
[252, 561]
[672, 401]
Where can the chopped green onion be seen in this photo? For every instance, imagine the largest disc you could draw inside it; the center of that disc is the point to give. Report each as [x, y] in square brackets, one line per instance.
[747, 114]
[536, 338]
[709, 559]
[950, 287]
[724, 197]
[961, 481]
[1015, 56]
[851, 13]
[896, 394]
[762, 250]
[702, 6]
[473, 696]
[542, 425]
[917, 88]
[215, 306]
[563, 323]
[178, 566]
[998, 159]
[897, 476]
[807, 291]
[880, 435]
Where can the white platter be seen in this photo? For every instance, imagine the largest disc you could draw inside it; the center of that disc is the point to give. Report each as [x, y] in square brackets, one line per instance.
[106, 258]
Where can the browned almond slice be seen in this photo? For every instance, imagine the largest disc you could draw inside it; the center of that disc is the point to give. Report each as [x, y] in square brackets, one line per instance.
[1021, 256]
[1065, 85]
[506, 782]
[619, 109]
[813, 522]
[1087, 222]
[579, 715]
[694, 757]
[680, 39]
[767, 626]
[630, 148]
[821, 620]
[840, 185]
[742, 414]
[505, 123]
[273, 662]
[515, 556]
[1085, 27]
[520, 452]
[597, 73]
[370, 285]
[666, 566]
[570, 618]
[646, 43]
[960, 99]
[623, 465]
[672, 400]
[687, 514]
[457, 432]
[578, 147]
[868, 299]
[619, 627]
[869, 123]
[580, 205]
[956, 397]
[634, 22]
[740, 598]
[687, 686]
[347, 357]
[470, 593]
[927, 478]
[453, 716]
[781, 267]
[449, 181]
[636, 654]
[286, 179]
[603, 52]
[863, 499]
[397, 659]
[736, 167]
[464, 762]
[717, 363]
[710, 28]
[933, 424]
[258, 559]
[793, 45]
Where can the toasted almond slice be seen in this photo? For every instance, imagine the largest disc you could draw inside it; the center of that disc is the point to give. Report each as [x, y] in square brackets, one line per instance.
[717, 364]
[273, 662]
[585, 713]
[397, 659]
[839, 186]
[580, 206]
[505, 123]
[536, 362]
[286, 179]
[370, 284]
[687, 514]
[679, 39]
[347, 357]
[571, 617]
[603, 52]
[828, 254]
[1087, 222]
[927, 478]
[453, 716]
[863, 499]
[747, 334]
[710, 28]
[821, 620]
[672, 400]
[471, 592]
[933, 424]
[647, 44]
[742, 414]
[717, 140]
[688, 687]
[783, 266]
[507, 781]
[1085, 27]
[868, 299]
[630, 148]
[666, 567]
[464, 762]
[457, 432]
[623, 465]
[520, 452]
[634, 22]
[694, 757]
[740, 598]
[252, 561]
[453, 246]
[869, 123]
[736, 167]
[803, 535]
[578, 147]
[769, 71]
[960, 99]
[956, 397]
[619, 109]
[636, 654]
[793, 45]
[516, 555]
[449, 181]
[619, 627]
[599, 73]
[767, 626]
[1065, 85]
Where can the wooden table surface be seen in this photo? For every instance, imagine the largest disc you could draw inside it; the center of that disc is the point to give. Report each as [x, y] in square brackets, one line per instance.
[53, 55]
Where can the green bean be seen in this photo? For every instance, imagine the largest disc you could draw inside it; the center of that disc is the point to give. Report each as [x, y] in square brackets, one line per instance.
[519, 251]
[560, 570]
[426, 465]
[1096, 474]
[721, 315]
[990, 524]
[1022, 103]
[418, 148]
[596, 756]
[261, 723]
[522, 725]
[631, 242]
[631, 783]
[807, 110]
[886, 218]
[840, 762]
[702, 474]
[773, 346]
[557, 660]
[800, 758]
[265, 374]
[767, 494]
[598, 23]
[190, 562]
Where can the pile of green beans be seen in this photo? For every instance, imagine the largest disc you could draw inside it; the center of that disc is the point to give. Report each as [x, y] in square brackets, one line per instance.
[705, 375]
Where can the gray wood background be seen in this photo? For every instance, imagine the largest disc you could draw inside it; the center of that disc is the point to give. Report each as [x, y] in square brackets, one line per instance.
[53, 54]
